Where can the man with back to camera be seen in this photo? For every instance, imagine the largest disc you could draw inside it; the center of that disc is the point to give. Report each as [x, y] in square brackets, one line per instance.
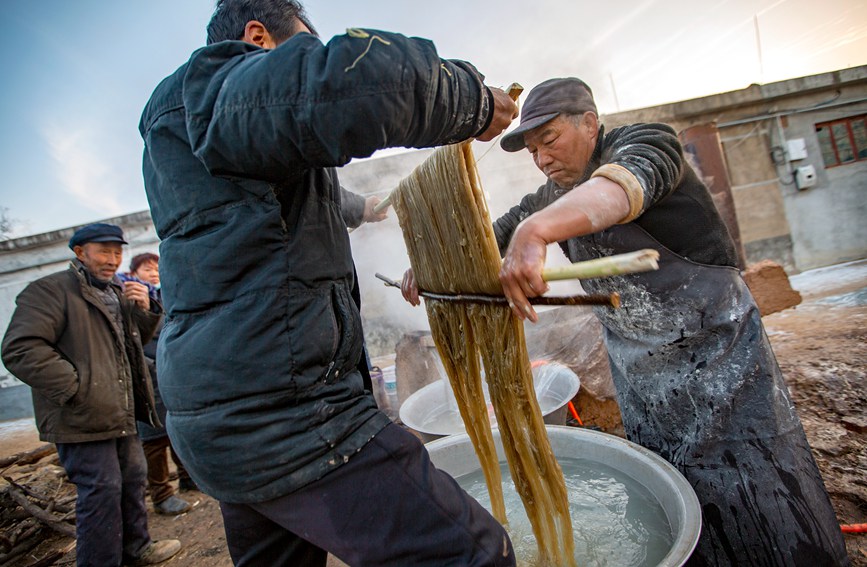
[76, 339]
[258, 355]
[696, 379]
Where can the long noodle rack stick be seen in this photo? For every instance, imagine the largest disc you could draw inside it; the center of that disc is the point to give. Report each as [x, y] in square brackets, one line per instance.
[612, 300]
[452, 250]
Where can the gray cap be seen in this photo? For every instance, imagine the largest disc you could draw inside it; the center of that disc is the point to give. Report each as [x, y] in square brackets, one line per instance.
[547, 101]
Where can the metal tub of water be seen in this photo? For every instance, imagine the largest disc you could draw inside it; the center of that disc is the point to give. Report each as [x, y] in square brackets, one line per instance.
[653, 482]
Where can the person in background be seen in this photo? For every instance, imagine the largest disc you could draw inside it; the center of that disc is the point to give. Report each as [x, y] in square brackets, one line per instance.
[76, 339]
[259, 356]
[144, 268]
[357, 210]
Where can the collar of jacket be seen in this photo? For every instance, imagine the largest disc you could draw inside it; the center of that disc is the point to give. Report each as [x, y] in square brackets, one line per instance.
[89, 278]
[593, 164]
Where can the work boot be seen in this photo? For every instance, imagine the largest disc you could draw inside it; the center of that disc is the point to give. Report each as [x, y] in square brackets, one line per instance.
[157, 552]
[172, 506]
[187, 484]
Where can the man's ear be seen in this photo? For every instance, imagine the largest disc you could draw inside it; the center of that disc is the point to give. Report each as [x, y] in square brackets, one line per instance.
[256, 34]
[591, 122]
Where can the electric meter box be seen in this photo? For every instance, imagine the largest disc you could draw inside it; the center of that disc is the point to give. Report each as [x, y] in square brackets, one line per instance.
[796, 148]
[805, 177]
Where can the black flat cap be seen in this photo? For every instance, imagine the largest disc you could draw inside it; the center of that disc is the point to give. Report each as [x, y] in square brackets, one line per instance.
[97, 232]
[547, 101]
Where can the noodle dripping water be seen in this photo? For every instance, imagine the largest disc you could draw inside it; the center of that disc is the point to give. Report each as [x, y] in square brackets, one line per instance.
[453, 250]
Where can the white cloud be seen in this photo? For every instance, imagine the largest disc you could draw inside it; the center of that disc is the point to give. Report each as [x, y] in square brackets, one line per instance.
[84, 168]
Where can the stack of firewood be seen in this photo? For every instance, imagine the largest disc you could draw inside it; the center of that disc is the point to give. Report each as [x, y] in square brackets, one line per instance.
[37, 502]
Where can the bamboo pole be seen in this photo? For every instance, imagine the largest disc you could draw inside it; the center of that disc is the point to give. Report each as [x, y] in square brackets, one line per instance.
[619, 264]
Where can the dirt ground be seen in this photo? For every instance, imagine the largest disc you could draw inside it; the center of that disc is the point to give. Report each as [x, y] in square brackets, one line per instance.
[820, 346]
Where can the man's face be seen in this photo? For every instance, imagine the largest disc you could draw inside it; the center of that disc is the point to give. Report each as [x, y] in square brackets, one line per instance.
[148, 272]
[561, 149]
[102, 259]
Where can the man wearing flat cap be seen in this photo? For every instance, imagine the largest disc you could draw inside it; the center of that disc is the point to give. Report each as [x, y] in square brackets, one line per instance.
[76, 339]
[695, 376]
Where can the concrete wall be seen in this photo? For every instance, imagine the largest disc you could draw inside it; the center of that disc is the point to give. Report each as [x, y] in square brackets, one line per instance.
[829, 221]
[800, 229]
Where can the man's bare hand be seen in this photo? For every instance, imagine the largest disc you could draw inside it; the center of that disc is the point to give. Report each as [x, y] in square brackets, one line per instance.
[505, 110]
[521, 272]
[137, 292]
[369, 215]
[409, 288]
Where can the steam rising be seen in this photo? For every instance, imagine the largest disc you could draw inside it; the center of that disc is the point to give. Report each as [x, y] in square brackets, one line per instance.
[379, 247]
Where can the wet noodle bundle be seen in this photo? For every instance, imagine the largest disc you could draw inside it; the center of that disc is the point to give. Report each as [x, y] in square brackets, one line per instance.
[452, 249]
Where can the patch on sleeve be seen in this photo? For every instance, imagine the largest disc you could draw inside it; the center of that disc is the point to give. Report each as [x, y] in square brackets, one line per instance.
[630, 184]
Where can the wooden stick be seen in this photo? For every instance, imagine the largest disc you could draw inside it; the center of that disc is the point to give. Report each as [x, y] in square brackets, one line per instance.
[24, 545]
[50, 503]
[27, 457]
[612, 300]
[54, 556]
[630, 263]
[514, 91]
[50, 520]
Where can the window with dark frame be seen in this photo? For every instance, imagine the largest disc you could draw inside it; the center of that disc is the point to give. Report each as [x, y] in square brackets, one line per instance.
[843, 141]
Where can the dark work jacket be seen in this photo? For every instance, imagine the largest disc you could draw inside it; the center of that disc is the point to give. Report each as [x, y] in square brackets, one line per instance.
[89, 383]
[258, 355]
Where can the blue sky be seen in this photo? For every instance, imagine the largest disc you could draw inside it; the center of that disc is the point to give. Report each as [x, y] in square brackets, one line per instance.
[76, 74]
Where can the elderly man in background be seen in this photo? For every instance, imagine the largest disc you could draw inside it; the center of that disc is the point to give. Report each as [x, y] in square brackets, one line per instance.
[696, 379]
[76, 339]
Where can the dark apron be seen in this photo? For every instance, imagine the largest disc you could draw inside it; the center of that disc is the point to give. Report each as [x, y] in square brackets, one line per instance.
[698, 384]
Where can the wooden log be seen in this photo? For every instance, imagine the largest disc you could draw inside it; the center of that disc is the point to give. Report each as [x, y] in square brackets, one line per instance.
[27, 457]
[51, 503]
[54, 522]
[13, 557]
[20, 529]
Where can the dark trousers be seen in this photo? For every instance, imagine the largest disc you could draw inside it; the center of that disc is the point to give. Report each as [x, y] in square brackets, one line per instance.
[158, 468]
[111, 516]
[388, 506]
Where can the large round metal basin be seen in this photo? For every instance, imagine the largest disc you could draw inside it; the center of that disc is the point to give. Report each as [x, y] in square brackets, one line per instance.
[456, 456]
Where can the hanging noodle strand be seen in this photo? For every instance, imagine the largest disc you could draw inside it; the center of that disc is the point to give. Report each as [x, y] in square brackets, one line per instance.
[452, 249]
